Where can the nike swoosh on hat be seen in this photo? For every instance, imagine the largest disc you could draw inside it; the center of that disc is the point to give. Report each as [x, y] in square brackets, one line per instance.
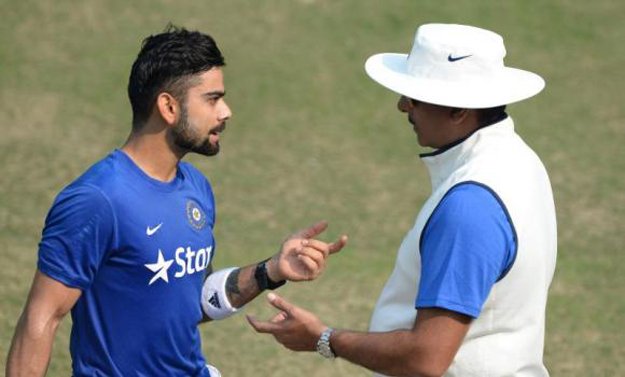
[455, 59]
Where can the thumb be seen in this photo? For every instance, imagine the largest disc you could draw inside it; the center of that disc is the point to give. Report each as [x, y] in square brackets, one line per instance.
[280, 303]
[336, 246]
[312, 230]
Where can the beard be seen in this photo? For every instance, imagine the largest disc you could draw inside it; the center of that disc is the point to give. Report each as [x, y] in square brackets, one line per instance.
[188, 139]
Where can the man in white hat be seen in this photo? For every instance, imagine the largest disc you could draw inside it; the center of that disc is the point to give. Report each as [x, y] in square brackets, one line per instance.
[468, 293]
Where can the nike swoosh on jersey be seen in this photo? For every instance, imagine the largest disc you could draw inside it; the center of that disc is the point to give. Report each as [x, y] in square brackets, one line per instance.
[150, 231]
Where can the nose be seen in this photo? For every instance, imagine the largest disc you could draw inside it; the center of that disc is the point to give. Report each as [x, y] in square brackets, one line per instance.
[225, 113]
[403, 104]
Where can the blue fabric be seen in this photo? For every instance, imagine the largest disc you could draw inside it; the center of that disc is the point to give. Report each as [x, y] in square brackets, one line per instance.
[138, 249]
[467, 245]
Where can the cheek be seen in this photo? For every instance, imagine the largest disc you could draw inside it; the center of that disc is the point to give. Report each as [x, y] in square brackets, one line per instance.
[198, 111]
[426, 126]
[207, 117]
[198, 120]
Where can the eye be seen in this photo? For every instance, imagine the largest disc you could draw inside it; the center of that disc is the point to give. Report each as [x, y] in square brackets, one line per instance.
[212, 98]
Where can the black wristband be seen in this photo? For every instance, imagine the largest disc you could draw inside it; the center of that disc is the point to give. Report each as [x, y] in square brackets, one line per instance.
[263, 280]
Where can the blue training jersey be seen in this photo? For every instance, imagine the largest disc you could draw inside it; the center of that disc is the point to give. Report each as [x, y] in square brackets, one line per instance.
[467, 245]
[138, 249]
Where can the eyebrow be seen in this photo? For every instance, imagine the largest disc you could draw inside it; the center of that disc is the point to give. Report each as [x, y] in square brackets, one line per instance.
[214, 94]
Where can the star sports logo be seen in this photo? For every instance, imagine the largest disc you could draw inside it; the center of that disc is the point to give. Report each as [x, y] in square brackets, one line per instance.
[188, 261]
[160, 268]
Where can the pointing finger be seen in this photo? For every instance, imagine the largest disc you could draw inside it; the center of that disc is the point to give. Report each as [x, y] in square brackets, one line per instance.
[262, 327]
[312, 230]
[280, 303]
[336, 246]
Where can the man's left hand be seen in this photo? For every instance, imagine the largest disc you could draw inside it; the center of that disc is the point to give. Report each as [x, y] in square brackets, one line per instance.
[293, 327]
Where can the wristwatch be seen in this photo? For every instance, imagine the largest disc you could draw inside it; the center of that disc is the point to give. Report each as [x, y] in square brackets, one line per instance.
[263, 280]
[323, 344]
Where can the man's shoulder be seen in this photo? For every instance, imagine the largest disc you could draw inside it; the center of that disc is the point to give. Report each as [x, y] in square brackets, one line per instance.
[469, 203]
[100, 179]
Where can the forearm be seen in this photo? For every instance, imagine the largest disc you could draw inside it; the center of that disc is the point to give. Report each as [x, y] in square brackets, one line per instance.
[241, 287]
[227, 290]
[301, 258]
[395, 353]
[428, 349]
[31, 348]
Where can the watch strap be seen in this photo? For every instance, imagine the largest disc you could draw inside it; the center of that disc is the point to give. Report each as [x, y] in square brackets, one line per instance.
[323, 344]
[262, 278]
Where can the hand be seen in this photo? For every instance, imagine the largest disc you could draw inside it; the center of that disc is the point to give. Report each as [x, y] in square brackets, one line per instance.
[302, 257]
[293, 327]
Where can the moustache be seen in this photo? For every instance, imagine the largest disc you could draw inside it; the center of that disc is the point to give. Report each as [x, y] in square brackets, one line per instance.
[220, 128]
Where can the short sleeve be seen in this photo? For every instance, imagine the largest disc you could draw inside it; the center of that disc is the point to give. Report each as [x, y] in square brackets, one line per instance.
[467, 245]
[77, 235]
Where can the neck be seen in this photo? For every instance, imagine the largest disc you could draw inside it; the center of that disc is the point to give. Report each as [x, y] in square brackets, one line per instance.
[152, 152]
[473, 130]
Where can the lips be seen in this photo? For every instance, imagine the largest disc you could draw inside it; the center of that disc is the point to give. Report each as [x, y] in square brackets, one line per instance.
[221, 128]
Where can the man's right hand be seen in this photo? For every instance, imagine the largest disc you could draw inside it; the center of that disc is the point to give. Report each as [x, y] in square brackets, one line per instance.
[302, 257]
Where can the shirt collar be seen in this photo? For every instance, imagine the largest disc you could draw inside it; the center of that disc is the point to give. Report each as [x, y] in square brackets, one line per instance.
[442, 162]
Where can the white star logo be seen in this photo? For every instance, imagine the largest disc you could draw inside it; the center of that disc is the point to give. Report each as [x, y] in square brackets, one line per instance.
[160, 268]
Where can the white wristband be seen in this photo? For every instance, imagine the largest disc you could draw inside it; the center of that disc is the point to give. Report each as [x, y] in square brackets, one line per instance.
[215, 302]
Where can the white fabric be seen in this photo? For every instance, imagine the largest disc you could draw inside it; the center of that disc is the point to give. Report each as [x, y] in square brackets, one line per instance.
[214, 372]
[214, 299]
[508, 336]
[454, 65]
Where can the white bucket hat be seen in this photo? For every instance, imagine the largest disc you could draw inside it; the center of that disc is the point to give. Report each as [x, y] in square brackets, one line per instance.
[456, 66]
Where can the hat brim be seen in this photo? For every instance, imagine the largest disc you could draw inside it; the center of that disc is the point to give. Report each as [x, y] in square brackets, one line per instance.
[509, 86]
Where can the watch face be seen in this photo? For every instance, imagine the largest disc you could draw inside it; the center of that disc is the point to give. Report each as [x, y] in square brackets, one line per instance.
[323, 344]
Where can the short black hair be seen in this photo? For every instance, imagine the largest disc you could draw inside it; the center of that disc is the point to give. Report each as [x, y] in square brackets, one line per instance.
[485, 117]
[491, 115]
[168, 62]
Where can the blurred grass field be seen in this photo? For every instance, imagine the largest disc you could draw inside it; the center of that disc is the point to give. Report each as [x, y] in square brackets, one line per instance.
[312, 137]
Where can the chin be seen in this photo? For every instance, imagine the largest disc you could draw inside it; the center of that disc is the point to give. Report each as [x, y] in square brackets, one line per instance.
[207, 150]
[207, 153]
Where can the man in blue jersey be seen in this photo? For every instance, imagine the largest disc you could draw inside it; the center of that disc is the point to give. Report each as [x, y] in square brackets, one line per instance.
[128, 246]
[468, 293]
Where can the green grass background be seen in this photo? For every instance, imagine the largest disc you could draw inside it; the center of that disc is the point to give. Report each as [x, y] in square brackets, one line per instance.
[312, 137]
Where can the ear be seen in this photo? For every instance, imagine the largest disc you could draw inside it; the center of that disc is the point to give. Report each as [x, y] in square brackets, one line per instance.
[168, 108]
[458, 115]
